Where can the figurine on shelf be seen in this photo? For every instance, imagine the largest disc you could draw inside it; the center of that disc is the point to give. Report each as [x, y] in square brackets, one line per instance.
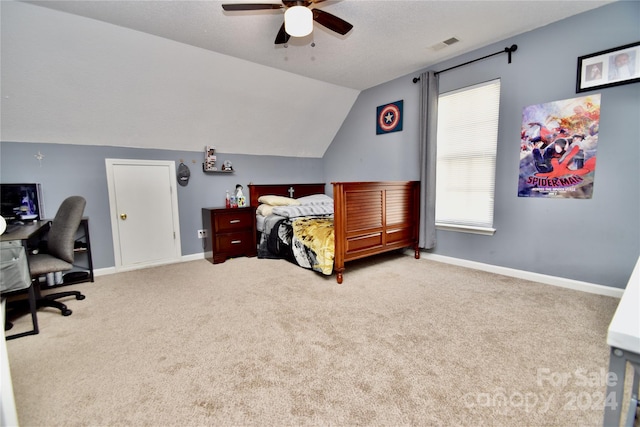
[210, 159]
[227, 166]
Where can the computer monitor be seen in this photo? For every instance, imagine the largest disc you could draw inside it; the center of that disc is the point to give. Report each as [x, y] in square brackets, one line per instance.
[21, 202]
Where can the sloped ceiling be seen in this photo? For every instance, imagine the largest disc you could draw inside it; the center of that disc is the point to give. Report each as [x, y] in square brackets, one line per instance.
[184, 74]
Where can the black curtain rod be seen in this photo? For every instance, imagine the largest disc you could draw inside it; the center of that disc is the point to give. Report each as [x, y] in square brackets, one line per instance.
[508, 50]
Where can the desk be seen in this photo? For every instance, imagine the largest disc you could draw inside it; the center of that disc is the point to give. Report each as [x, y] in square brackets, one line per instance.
[30, 234]
[25, 232]
[624, 339]
[16, 270]
[34, 230]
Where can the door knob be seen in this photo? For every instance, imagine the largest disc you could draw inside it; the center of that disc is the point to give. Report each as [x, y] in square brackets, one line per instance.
[123, 216]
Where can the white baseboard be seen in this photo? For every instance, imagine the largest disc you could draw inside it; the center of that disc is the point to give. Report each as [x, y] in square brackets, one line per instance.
[511, 272]
[104, 271]
[112, 270]
[193, 257]
[528, 275]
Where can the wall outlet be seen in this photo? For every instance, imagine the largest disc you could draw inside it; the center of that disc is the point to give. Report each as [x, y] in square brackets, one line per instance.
[202, 234]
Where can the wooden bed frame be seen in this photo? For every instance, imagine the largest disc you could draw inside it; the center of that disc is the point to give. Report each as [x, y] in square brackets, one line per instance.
[287, 190]
[369, 217]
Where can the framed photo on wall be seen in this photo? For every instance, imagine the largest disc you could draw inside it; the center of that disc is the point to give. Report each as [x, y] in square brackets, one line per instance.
[612, 67]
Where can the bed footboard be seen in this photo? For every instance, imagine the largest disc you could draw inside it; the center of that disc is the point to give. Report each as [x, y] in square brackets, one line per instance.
[374, 217]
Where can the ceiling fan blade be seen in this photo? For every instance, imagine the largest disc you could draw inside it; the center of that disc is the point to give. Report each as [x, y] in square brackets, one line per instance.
[332, 22]
[282, 36]
[251, 6]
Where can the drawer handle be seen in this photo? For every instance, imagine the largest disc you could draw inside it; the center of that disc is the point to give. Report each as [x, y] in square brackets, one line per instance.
[234, 221]
[235, 242]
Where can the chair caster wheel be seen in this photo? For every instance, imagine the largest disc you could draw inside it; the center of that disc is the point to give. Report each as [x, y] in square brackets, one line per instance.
[80, 297]
[66, 312]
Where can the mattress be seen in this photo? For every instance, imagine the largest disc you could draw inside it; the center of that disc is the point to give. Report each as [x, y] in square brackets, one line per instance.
[260, 223]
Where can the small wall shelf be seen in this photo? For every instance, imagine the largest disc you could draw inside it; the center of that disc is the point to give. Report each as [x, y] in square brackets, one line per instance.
[217, 171]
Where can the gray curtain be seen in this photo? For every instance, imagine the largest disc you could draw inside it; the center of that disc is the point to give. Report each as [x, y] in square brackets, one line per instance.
[428, 133]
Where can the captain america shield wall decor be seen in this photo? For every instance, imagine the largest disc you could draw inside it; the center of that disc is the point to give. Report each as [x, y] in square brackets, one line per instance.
[389, 118]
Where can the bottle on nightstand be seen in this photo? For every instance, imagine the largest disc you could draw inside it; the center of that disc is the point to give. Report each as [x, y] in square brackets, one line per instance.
[240, 200]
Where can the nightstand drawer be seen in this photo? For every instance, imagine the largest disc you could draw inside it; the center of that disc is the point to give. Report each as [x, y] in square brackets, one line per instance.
[236, 243]
[232, 221]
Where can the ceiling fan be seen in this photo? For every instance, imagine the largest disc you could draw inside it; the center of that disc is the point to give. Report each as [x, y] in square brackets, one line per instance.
[298, 17]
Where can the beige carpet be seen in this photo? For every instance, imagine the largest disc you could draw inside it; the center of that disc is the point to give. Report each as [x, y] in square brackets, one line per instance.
[263, 342]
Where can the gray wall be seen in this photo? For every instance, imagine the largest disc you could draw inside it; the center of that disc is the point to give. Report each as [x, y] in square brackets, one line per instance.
[80, 170]
[595, 240]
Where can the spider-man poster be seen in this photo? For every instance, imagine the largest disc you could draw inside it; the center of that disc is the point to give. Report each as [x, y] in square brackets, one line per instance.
[558, 142]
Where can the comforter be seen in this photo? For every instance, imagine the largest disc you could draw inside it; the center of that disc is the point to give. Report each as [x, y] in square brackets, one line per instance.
[306, 240]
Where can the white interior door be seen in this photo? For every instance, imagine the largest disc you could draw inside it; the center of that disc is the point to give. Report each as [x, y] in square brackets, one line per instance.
[144, 212]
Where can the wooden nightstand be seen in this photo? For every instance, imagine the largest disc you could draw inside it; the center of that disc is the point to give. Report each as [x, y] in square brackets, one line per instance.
[231, 232]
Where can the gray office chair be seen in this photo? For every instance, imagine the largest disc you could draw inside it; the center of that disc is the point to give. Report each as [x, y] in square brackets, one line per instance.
[58, 254]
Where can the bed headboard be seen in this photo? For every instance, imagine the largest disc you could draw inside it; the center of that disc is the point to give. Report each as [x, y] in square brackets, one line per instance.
[287, 190]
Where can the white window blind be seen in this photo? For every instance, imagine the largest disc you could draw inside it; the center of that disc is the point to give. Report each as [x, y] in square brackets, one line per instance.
[466, 165]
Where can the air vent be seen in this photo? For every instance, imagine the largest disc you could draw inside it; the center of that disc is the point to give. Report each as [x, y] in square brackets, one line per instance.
[444, 44]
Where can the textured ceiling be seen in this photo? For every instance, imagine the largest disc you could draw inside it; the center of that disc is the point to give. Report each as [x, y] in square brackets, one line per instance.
[180, 75]
[390, 38]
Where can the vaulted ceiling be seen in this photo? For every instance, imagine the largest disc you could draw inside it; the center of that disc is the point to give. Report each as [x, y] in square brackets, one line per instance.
[209, 77]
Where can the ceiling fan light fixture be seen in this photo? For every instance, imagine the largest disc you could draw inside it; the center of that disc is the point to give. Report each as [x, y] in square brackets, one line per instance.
[298, 21]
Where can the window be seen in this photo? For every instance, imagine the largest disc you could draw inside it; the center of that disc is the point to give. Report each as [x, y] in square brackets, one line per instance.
[466, 165]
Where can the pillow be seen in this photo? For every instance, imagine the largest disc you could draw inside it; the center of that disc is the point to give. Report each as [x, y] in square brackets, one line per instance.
[303, 210]
[264, 210]
[315, 199]
[278, 200]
